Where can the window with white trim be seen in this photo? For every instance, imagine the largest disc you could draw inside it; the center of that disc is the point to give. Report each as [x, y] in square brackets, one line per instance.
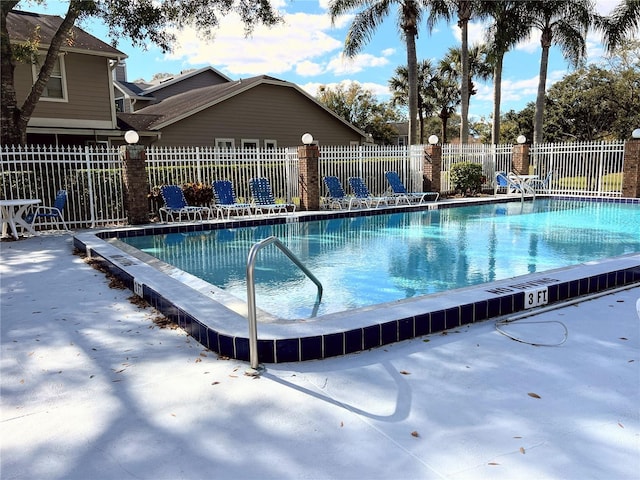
[270, 144]
[56, 88]
[250, 143]
[225, 143]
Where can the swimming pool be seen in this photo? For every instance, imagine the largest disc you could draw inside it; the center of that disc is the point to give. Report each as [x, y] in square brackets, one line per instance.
[478, 251]
[365, 261]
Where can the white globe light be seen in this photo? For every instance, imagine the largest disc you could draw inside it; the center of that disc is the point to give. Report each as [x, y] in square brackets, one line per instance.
[636, 133]
[131, 137]
[433, 139]
[307, 139]
[521, 139]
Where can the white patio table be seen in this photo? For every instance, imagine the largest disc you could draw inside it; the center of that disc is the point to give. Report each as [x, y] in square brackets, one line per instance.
[12, 211]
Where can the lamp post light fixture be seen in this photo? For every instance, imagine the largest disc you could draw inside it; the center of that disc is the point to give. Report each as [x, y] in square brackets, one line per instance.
[131, 137]
[433, 140]
[307, 139]
[636, 133]
[521, 139]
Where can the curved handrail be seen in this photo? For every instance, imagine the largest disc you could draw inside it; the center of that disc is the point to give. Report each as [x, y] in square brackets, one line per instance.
[251, 291]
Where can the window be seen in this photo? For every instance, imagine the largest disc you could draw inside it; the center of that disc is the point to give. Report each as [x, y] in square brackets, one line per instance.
[56, 88]
[250, 143]
[270, 144]
[225, 143]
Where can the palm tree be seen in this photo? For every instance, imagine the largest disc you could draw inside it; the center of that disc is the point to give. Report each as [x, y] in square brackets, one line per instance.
[465, 9]
[451, 66]
[508, 27]
[399, 85]
[371, 13]
[564, 23]
[622, 22]
[445, 95]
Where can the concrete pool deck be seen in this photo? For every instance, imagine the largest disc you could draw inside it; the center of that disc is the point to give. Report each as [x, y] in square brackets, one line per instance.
[93, 388]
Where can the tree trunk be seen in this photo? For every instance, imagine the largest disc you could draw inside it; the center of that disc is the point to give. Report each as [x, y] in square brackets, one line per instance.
[412, 70]
[464, 14]
[15, 119]
[497, 98]
[444, 117]
[9, 112]
[545, 41]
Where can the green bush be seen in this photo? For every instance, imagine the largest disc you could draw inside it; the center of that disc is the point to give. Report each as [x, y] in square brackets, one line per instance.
[467, 178]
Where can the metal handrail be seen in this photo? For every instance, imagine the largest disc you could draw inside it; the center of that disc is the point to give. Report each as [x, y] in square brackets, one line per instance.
[251, 293]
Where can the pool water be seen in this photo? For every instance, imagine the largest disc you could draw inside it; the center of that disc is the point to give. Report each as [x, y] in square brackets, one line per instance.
[383, 258]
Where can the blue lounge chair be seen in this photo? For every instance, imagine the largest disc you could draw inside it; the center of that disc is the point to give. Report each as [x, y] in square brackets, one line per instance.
[176, 204]
[263, 200]
[362, 192]
[337, 198]
[401, 193]
[510, 184]
[542, 185]
[226, 199]
[50, 215]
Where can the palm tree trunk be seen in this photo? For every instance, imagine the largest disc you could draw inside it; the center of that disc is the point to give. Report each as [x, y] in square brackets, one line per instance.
[464, 85]
[545, 41]
[497, 99]
[412, 70]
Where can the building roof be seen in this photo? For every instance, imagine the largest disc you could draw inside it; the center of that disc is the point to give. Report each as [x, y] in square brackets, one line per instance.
[160, 83]
[22, 25]
[183, 105]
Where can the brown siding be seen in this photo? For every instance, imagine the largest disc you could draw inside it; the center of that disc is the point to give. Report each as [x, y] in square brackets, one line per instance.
[204, 79]
[88, 85]
[264, 112]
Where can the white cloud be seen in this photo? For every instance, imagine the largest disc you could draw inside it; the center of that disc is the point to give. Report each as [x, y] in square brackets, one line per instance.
[375, 88]
[475, 32]
[342, 65]
[279, 49]
[307, 68]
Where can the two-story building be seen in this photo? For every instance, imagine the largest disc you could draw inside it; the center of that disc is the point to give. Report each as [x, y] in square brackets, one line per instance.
[89, 101]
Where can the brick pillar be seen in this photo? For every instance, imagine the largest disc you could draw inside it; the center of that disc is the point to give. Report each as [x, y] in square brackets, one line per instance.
[309, 178]
[431, 168]
[520, 159]
[631, 175]
[136, 183]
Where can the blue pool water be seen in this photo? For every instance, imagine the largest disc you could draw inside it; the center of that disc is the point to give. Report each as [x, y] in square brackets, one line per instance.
[383, 258]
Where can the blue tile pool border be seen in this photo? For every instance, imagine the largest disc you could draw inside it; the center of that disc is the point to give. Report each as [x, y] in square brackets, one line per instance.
[449, 310]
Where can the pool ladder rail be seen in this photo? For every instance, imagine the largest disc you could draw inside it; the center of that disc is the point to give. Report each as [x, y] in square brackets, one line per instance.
[251, 296]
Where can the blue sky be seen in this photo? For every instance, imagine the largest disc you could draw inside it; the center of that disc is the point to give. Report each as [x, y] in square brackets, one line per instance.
[307, 50]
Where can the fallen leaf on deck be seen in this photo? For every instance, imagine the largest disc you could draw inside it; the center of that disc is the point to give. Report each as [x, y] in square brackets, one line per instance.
[493, 463]
[623, 338]
[620, 425]
[215, 383]
[404, 372]
[415, 434]
[522, 450]
[198, 359]
[534, 395]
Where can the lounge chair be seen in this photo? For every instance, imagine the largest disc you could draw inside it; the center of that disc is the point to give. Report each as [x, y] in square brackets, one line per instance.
[542, 185]
[263, 199]
[337, 198]
[50, 215]
[176, 204]
[510, 184]
[400, 191]
[362, 192]
[226, 199]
